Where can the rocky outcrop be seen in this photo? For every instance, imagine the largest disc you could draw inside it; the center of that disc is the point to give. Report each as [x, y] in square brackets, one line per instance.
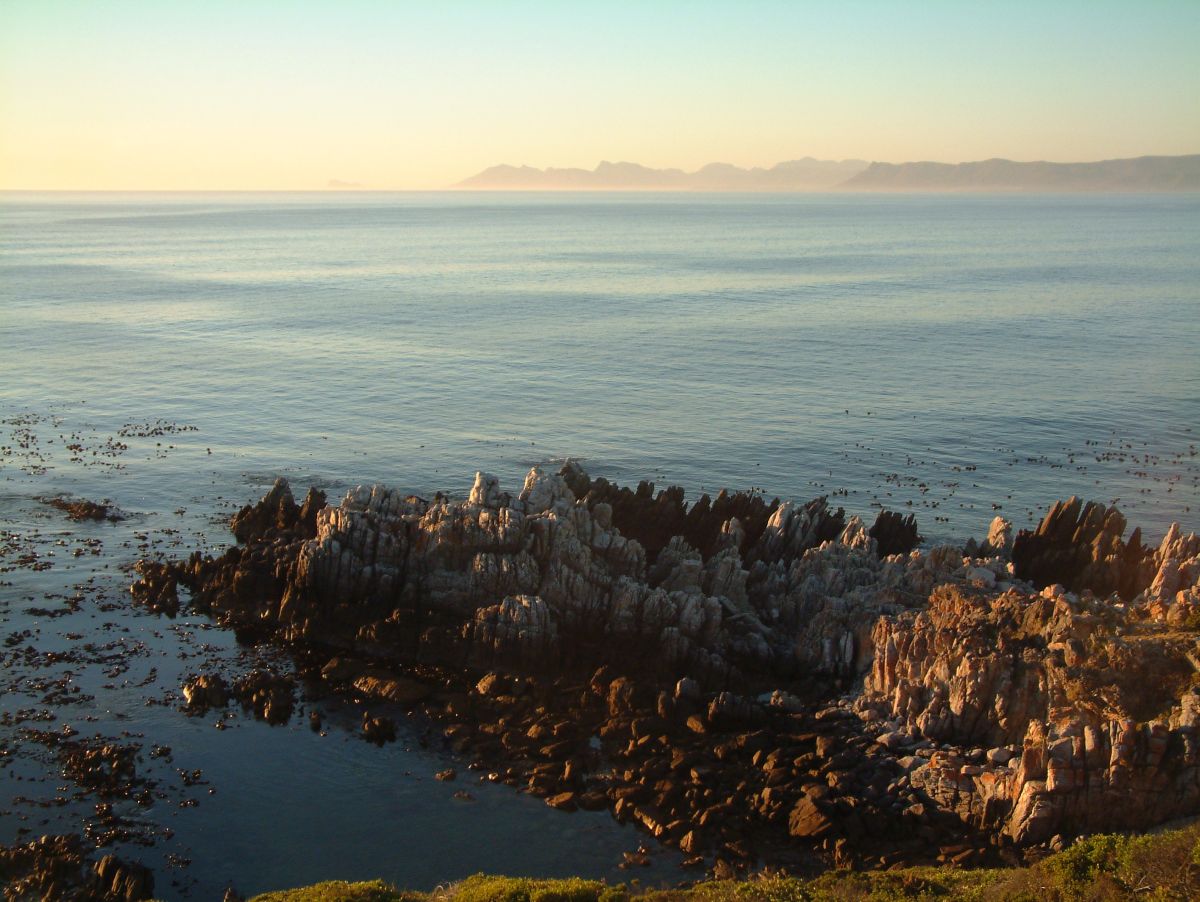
[549, 577]
[716, 636]
[1058, 713]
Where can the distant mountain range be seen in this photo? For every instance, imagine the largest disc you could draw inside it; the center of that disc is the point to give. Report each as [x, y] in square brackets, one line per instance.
[796, 175]
[1139, 174]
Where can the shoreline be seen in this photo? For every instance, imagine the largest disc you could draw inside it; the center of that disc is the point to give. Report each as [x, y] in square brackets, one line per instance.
[701, 730]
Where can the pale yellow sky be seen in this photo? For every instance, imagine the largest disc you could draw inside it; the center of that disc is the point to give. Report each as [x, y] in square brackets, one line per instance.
[275, 95]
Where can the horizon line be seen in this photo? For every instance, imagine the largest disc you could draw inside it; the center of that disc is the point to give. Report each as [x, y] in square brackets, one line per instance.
[460, 187]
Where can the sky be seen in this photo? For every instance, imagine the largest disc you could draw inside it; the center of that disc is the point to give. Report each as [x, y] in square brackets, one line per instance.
[258, 95]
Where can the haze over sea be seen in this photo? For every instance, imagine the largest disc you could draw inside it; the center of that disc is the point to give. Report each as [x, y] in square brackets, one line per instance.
[950, 356]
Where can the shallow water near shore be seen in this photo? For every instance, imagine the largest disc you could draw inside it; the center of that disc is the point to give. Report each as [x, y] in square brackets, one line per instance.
[954, 357]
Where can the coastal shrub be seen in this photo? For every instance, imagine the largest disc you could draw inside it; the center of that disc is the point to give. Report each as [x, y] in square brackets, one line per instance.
[1078, 867]
[1163, 866]
[572, 890]
[339, 891]
[618, 893]
[481, 888]
[905, 884]
[760, 889]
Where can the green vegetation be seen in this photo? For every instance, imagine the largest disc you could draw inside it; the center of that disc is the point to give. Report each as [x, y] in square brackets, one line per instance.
[1100, 868]
[341, 891]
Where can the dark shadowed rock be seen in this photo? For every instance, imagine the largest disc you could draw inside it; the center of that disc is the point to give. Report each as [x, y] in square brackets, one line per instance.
[278, 511]
[808, 821]
[1081, 546]
[118, 879]
[378, 729]
[157, 588]
[269, 696]
[894, 533]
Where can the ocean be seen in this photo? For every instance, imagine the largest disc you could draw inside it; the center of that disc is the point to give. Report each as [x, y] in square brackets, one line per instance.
[951, 356]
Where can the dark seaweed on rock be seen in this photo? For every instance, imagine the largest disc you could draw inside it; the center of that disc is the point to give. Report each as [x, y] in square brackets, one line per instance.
[82, 509]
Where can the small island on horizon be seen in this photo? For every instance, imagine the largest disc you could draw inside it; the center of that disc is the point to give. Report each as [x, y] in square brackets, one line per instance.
[1147, 173]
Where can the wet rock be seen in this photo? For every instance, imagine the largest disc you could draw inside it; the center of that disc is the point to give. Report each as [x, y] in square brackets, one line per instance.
[494, 684]
[56, 867]
[378, 729]
[118, 879]
[396, 689]
[269, 696]
[277, 510]
[157, 587]
[563, 801]
[205, 691]
[81, 509]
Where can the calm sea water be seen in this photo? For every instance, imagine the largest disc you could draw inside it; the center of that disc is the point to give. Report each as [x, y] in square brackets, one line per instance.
[946, 355]
[710, 341]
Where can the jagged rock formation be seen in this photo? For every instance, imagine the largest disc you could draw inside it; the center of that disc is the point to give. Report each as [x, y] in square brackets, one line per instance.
[895, 534]
[1081, 546]
[277, 511]
[57, 867]
[717, 590]
[1084, 713]
[716, 636]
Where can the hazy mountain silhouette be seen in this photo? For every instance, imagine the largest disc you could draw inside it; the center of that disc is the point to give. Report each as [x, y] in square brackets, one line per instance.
[796, 175]
[1181, 173]
[1137, 174]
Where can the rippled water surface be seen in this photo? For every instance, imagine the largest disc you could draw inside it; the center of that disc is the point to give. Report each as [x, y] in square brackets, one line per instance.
[949, 356]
